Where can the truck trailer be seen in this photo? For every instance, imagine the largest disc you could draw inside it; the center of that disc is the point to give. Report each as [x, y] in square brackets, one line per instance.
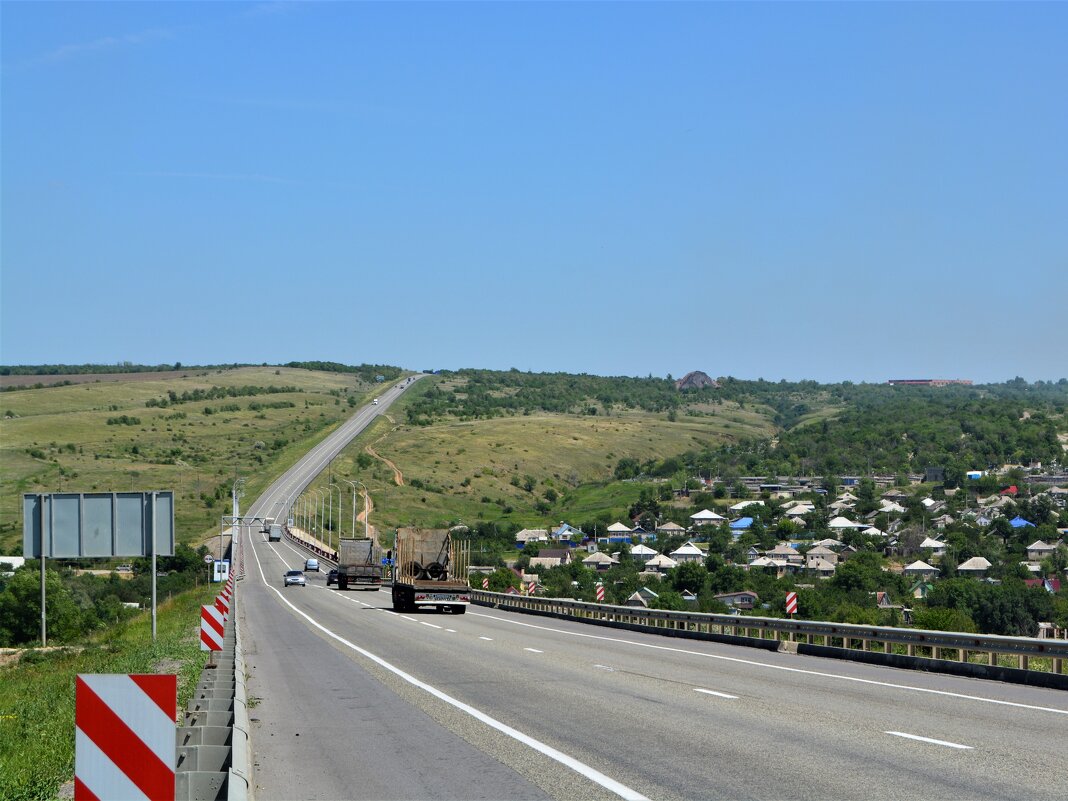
[430, 569]
[359, 562]
[275, 533]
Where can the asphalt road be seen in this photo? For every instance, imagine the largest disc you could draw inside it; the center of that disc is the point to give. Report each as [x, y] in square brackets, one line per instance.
[353, 701]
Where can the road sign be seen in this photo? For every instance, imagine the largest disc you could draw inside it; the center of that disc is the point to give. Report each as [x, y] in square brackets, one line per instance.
[208, 558]
[78, 525]
[600, 593]
[124, 736]
[222, 603]
[212, 624]
[791, 603]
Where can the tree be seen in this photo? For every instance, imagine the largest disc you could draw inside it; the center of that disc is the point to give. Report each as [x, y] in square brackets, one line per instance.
[20, 609]
[689, 576]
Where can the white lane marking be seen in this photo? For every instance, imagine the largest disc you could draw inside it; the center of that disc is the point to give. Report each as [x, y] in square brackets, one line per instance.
[754, 663]
[424, 623]
[451, 631]
[487, 639]
[409, 618]
[534, 650]
[594, 775]
[605, 667]
[930, 740]
[713, 692]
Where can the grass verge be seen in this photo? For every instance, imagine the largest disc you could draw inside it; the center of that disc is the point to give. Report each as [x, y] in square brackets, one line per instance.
[37, 693]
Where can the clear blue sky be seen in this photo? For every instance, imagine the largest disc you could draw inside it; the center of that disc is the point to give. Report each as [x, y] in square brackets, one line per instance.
[832, 191]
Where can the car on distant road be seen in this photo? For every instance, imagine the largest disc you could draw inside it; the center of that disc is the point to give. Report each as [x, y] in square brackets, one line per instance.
[374, 402]
[331, 577]
[295, 577]
[311, 564]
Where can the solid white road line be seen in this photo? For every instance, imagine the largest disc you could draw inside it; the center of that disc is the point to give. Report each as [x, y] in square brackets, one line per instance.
[929, 740]
[534, 650]
[451, 631]
[487, 639]
[713, 692]
[594, 775]
[754, 663]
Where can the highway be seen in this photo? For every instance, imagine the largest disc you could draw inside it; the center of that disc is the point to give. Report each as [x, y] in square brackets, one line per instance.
[353, 701]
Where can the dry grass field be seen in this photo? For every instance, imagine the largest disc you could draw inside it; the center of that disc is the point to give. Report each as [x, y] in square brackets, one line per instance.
[59, 439]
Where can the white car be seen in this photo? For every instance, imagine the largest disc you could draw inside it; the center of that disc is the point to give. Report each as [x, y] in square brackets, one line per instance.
[374, 402]
[311, 564]
[295, 577]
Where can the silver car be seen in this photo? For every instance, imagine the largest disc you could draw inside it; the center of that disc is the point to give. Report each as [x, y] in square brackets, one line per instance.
[295, 577]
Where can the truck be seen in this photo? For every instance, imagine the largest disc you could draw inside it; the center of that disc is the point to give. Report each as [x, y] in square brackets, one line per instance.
[430, 570]
[359, 562]
[267, 524]
[275, 533]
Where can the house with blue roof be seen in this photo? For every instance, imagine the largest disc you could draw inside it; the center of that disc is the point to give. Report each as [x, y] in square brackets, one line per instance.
[740, 526]
[1019, 522]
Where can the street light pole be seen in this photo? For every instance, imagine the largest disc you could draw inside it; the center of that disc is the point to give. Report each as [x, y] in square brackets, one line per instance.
[332, 509]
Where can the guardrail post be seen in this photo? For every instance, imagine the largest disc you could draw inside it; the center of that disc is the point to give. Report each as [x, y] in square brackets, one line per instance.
[1023, 661]
[1057, 665]
[963, 655]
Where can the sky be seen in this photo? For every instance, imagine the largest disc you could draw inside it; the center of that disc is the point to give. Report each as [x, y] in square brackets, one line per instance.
[857, 191]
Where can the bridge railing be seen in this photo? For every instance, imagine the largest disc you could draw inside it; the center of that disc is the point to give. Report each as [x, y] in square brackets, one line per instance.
[1030, 660]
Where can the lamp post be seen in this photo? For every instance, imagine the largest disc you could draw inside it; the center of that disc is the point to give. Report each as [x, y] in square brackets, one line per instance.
[332, 509]
[320, 504]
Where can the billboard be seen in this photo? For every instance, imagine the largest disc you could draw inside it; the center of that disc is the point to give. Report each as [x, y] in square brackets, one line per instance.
[70, 525]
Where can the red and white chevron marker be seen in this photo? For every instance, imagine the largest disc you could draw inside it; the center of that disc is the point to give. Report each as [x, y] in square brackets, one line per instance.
[531, 587]
[124, 736]
[222, 603]
[791, 603]
[212, 624]
[600, 593]
[485, 583]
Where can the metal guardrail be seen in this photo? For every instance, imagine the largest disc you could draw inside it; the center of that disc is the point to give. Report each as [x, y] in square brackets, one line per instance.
[931, 650]
[213, 754]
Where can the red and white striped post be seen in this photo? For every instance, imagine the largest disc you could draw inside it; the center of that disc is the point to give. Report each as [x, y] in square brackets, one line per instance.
[600, 593]
[485, 583]
[124, 736]
[791, 603]
[212, 625]
[531, 587]
[222, 603]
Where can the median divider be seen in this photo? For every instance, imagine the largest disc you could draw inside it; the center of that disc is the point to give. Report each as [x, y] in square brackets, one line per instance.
[1037, 662]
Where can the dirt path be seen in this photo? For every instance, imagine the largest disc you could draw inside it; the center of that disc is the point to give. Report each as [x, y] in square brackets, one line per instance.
[368, 507]
[398, 477]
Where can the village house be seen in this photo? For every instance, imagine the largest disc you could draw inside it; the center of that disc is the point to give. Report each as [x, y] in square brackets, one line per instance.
[976, 566]
[687, 553]
[1039, 550]
[744, 599]
[706, 518]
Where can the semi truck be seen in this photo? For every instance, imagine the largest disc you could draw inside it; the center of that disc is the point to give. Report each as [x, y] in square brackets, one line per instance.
[267, 524]
[275, 533]
[430, 570]
[359, 562]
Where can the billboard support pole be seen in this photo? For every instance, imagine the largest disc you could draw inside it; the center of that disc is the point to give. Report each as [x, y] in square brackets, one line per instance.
[44, 549]
[44, 625]
[153, 567]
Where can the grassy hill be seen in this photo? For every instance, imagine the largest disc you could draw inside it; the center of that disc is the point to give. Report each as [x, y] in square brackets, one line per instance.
[527, 468]
[103, 437]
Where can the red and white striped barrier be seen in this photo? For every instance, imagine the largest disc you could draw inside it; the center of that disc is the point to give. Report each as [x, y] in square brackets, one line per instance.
[485, 583]
[212, 624]
[531, 587]
[124, 737]
[600, 593]
[791, 603]
[222, 603]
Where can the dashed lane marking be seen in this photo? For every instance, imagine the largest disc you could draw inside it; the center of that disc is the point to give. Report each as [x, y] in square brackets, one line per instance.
[946, 743]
